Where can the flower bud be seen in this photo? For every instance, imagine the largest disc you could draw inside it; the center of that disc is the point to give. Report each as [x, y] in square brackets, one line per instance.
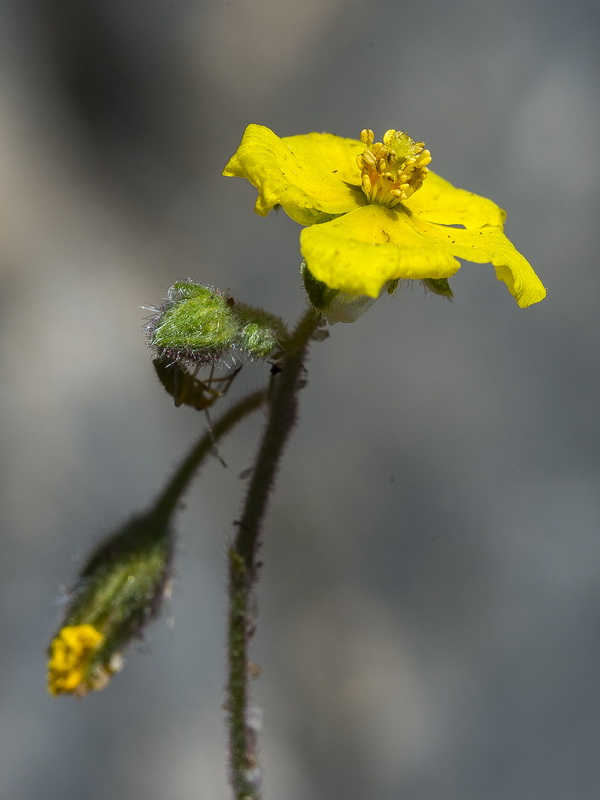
[118, 591]
[194, 326]
[260, 332]
[199, 325]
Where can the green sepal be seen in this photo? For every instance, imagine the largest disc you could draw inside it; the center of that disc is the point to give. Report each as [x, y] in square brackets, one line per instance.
[319, 294]
[335, 305]
[120, 588]
[439, 286]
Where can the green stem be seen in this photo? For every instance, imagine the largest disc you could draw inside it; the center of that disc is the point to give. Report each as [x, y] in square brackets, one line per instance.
[282, 406]
[167, 501]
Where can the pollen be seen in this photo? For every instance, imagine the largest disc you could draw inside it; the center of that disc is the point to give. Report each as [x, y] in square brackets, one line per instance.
[392, 170]
[71, 651]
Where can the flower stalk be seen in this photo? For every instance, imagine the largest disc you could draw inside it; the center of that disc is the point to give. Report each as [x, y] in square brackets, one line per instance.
[286, 382]
[122, 585]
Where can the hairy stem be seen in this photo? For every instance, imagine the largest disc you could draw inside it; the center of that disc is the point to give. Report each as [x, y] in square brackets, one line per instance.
[282, 411]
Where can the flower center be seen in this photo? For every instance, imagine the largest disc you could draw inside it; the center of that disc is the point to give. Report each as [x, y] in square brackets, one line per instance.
[392, 170]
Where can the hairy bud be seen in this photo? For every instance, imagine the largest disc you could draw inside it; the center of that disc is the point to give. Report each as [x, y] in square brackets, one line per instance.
[260, 332]
[199, 325]
[194, 325]
[118, 591]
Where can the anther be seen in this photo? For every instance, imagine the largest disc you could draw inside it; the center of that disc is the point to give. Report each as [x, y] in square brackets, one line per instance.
[367, 136]
[392, 170]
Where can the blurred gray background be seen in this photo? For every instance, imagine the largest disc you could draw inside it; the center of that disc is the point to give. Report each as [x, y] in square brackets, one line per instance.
[430, 601]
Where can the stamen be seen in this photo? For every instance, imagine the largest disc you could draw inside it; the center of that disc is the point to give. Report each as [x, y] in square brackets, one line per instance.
[392, 170]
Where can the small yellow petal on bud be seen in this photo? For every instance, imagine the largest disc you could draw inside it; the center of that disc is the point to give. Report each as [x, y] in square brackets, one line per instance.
[71, 651]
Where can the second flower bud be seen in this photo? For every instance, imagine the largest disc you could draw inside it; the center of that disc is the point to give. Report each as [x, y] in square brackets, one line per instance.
[199, 325]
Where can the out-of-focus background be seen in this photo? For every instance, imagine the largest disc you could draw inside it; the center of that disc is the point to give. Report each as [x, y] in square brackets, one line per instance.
[430, 601]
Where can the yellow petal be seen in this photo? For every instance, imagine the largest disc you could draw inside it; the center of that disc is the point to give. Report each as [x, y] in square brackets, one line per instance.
[330, 154]
[307, 175]
[361, 251]
[70, 653]
[439, 201]
[490, 245]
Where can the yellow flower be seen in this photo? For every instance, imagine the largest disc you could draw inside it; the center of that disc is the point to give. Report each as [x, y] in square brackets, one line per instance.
[71, 653]
[375, 213]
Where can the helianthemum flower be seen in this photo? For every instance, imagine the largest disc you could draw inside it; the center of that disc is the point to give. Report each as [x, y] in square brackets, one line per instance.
[375, 214]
